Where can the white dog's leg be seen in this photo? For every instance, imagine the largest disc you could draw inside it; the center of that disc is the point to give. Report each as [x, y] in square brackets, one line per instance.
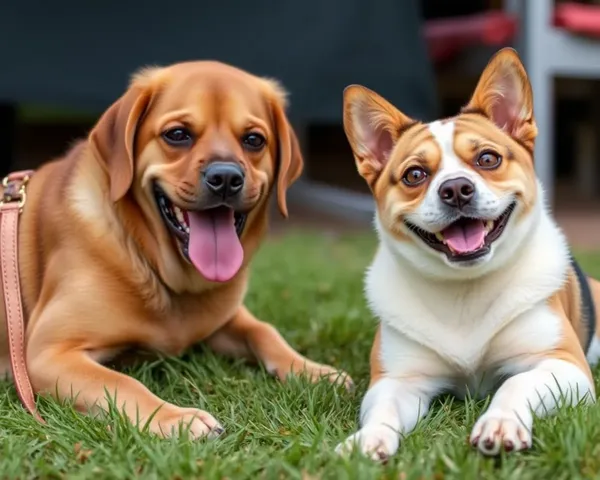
[508, 421]
[391, 408]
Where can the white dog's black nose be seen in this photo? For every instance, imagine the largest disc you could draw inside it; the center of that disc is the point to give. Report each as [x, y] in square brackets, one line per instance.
[224, 179]
[457, 192]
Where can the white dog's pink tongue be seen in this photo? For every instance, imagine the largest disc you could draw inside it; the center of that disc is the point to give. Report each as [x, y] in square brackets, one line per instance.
[465, 236]
[214, 247]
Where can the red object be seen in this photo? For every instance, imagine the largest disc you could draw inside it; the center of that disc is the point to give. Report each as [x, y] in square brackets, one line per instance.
[449, 36]
[578, 18]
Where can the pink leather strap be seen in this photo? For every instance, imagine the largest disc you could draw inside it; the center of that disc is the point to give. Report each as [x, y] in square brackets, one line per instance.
[11, 204]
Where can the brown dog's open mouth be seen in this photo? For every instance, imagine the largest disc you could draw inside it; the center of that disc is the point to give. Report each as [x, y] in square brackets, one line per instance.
[209, 239]
[467, 238]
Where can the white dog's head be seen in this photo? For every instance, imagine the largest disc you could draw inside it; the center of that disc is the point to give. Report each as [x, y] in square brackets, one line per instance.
[455, 197]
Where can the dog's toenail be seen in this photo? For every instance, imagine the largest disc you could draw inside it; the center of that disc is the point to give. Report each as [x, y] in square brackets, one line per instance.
[509, 446]
[219, 430]
[382, 455]
[475, 441]
[488, 444]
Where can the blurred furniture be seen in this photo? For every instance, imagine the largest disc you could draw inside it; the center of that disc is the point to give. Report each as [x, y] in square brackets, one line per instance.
[448, 37]
[560, 40]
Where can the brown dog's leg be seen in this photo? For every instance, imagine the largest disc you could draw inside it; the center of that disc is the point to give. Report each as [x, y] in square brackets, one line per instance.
[246, 336]
[74, 374]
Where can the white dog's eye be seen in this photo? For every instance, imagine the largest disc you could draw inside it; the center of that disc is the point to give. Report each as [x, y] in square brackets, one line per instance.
[489, 160]
[414, 176]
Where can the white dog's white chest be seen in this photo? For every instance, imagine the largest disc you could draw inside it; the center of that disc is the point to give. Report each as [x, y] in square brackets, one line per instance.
[454, 334]
[463, 333]
[464, 361]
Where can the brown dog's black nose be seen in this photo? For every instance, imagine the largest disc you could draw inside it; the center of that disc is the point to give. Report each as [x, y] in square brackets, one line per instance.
[224, 179]
[457, 192]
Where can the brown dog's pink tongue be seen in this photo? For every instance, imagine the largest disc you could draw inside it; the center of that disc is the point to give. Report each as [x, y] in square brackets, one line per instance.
[465, 236]
[214, 247]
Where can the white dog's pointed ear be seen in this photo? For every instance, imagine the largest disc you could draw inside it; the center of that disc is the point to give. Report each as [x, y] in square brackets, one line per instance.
[504, 95]
[372, 126]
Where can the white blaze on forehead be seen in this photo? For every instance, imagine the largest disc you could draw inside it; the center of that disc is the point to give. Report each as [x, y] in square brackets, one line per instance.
[450, 165]
[443, 132]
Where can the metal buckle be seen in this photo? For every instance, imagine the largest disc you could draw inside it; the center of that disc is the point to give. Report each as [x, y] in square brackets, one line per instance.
[14, 190]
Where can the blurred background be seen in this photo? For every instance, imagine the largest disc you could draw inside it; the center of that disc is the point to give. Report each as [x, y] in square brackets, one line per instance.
[64, 62]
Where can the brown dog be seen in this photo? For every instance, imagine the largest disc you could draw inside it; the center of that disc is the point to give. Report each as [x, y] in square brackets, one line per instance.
[142, 234]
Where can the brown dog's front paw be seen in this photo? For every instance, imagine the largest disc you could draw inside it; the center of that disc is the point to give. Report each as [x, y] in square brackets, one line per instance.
[315, 372]
[337, 377]
[172, 421]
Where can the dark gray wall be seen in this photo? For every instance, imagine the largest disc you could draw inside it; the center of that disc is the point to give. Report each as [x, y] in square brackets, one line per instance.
[81, 53]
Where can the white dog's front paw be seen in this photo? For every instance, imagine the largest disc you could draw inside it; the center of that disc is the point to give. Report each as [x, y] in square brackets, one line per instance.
[497, 429]
[378, 442]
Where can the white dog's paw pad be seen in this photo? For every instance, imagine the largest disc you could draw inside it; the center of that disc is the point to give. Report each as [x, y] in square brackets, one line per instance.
[496, 431]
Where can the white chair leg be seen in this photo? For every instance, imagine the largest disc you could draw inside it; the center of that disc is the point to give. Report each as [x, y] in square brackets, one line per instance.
[536, 28]
[542, 83]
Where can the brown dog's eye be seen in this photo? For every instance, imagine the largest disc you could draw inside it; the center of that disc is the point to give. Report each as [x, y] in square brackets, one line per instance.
[489, 160]
[178, 137]
[253, 141]
[414, 176]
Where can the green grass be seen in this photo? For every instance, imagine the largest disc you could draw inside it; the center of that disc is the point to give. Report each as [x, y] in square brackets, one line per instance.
[311, 288]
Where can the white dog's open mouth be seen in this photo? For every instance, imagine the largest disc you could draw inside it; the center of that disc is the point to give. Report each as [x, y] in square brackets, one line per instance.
[466, 238]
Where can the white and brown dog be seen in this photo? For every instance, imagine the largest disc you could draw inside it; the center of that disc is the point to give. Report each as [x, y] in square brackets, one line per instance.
[473, 281]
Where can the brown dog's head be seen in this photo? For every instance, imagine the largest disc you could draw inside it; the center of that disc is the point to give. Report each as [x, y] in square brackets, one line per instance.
[456, 197]
[199, 146]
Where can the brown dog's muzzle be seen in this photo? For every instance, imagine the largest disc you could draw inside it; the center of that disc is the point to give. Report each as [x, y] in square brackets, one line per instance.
[209, 233]
[224, 181]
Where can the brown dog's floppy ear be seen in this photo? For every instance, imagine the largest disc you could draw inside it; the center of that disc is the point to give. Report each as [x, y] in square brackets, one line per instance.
[503, 94]
[113, 138]
[372, 126]
[290, 162]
